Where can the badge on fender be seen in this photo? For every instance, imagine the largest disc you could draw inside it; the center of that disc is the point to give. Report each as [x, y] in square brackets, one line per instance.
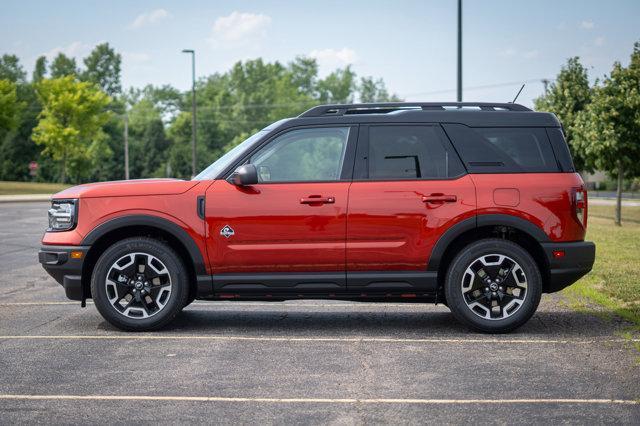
[227, 231]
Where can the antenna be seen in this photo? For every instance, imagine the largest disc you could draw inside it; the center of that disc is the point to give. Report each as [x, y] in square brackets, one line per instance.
[518, 94]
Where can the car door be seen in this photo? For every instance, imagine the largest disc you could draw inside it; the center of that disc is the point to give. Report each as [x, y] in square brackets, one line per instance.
[409, 187]
[288, 231]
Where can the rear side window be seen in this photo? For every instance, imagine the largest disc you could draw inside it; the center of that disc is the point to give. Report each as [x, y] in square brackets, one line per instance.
[561, 149]
[410, 152]
[503, 149]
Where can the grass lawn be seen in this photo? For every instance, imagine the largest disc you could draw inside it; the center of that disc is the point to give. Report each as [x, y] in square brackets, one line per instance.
[19, 188]
[629, 214]
[614, 282]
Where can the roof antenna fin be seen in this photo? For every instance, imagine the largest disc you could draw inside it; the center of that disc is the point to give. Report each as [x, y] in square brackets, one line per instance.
[518, 94]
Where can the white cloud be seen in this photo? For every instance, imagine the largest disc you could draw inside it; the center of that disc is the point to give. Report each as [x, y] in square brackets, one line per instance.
[587, 25]
[136, 57]
[239, 27]
[77, 48]
[511, 52]
[149, 18]
[599, 41]
[336, 57]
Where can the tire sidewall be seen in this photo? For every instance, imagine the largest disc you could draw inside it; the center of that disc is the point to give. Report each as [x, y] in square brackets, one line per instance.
[177, 273]
[460, 264]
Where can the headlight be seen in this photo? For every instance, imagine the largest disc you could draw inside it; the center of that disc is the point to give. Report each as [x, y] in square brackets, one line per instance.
[62, 215]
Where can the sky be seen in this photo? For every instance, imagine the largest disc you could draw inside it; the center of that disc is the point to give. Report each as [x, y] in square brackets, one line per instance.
[410, 44]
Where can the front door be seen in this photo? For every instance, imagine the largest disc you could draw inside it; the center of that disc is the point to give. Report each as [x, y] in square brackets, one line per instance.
[409, 188]
[288, 231]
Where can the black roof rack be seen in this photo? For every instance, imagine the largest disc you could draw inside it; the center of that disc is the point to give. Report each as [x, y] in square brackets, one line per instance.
[386, 107]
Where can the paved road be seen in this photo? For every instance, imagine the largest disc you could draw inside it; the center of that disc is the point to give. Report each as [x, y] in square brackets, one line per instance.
[295, 362]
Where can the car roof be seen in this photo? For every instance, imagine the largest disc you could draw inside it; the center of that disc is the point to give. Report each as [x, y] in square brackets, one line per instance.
[479, 114]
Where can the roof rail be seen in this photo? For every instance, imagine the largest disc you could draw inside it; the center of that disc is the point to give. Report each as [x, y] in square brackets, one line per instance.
[386, 107]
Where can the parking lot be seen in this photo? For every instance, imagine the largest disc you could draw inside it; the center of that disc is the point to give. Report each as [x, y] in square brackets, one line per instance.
[296, 362]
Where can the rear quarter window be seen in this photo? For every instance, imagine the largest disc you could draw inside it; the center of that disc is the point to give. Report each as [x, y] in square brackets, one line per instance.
[503, 149]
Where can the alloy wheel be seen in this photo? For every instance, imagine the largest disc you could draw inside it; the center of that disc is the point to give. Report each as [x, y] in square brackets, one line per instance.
[138, 285]
[494, 286]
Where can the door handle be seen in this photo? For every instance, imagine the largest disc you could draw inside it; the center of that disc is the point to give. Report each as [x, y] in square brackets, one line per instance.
[317, 199]
[439, 198]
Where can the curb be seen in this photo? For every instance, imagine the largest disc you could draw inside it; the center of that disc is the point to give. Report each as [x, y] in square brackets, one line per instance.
[24, 198]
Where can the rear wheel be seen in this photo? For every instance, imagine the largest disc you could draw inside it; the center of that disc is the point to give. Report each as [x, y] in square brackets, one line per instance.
[493, 286]
[139, 284]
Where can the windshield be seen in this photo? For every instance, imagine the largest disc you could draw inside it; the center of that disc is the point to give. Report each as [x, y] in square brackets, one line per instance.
[223, 162]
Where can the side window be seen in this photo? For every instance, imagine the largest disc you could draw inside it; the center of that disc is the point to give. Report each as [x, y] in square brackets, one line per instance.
[528, 147]
[303, 155]
[503, 149]
[410, 152]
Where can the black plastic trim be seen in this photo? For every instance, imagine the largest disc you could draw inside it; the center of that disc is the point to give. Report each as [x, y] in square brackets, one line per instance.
[393, 280]
[577, 261]
[269, 282]
[151, 221]
[446, 239]
[476, 222]
[514, 222]
[67, 271]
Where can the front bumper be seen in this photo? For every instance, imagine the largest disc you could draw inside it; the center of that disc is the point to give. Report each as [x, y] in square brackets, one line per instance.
[565, 270]
[66, 270]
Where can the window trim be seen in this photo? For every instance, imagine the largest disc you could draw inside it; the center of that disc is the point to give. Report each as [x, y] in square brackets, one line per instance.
[346, 173]
[361, 163]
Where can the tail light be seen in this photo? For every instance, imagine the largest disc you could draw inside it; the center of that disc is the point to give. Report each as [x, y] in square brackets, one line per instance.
[580, 205]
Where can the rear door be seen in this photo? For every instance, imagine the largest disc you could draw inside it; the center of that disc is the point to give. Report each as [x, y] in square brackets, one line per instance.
[288, 231]
[409, 188]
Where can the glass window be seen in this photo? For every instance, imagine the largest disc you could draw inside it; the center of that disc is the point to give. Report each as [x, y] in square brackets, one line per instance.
[503, 149]
[303, 155]
[529, 148]
[409, 152]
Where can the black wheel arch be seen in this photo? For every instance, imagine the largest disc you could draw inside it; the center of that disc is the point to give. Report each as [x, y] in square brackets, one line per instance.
[512, 228]
[123, 227]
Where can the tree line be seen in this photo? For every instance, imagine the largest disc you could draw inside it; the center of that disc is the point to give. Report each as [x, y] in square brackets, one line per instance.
[70, 118]
[601, 121]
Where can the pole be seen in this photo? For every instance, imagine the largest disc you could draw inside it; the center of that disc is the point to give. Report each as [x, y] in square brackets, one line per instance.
[126, 146]
[459, 50]
[193, 114]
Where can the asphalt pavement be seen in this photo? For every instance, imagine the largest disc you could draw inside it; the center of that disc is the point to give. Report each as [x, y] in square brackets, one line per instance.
[296, 362]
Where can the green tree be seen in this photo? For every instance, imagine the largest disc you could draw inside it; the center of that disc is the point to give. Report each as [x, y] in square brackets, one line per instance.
[566, 97]
[103, 68]
[608, 130]
[10, 69]
[375, 91]
[40, 69]
[9, 107]
[337, 87]
[63, 66]
[70, 125]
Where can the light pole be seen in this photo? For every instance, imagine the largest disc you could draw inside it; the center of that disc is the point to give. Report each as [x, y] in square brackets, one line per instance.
[193, 109]
[459, 50]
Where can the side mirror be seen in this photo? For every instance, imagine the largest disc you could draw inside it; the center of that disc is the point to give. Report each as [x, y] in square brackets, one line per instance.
[245, 175]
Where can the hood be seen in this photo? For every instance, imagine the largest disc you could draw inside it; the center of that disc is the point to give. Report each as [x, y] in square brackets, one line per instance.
[127, 188]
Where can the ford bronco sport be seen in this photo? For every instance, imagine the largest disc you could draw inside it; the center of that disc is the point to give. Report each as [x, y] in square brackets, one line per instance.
[473, 205]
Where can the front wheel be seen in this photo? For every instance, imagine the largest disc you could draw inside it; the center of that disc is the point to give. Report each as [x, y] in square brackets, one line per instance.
[139, 284]
[493, 286]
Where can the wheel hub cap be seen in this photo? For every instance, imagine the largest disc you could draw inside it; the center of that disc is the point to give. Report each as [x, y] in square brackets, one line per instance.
[138, 285]
[494, 286]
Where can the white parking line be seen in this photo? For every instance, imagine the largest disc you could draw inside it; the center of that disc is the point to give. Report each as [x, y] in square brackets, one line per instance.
[318, 400]
[311, 339]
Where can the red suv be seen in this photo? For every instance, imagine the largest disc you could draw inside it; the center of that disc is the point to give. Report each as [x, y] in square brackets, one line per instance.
[477, 206]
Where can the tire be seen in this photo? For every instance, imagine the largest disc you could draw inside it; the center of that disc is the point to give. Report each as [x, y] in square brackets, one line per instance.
[511, 281]
[132, 300]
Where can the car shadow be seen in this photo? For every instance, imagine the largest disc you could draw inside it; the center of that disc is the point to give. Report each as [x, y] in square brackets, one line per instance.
[371, 323]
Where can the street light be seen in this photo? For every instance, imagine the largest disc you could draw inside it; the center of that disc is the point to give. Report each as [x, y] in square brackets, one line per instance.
[459, 51]
[193, 109]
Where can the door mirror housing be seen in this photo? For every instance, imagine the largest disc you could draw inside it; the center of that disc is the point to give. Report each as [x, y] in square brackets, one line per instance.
[244, 175]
